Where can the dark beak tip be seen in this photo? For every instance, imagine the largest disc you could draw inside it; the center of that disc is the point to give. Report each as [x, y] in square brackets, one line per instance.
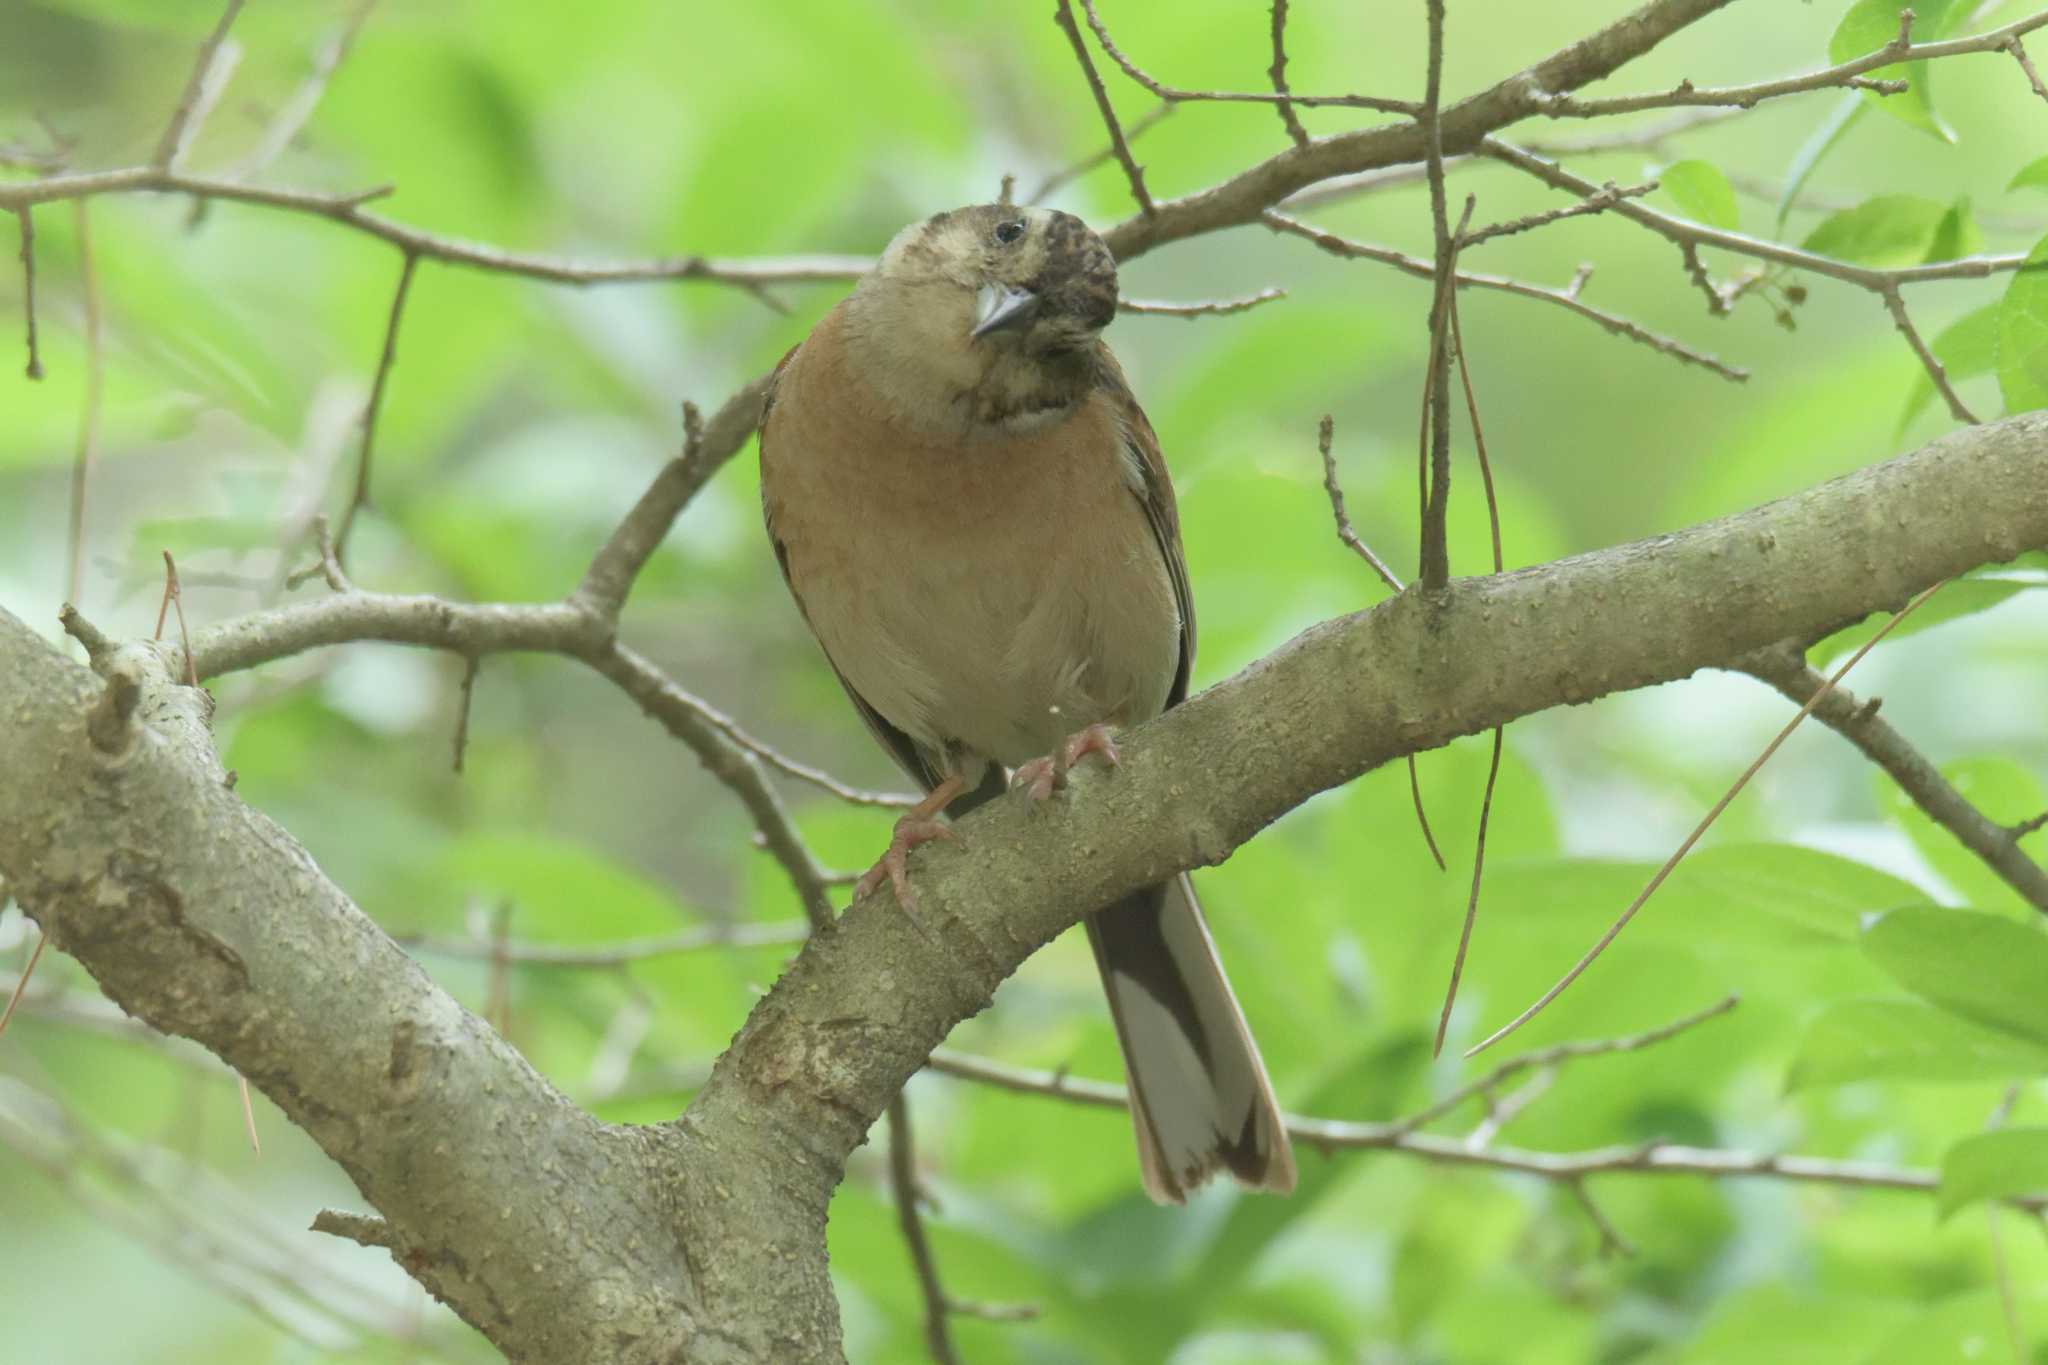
[1003, 308]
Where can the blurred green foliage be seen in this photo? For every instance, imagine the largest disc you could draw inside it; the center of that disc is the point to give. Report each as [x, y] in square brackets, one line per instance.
[1890, 987]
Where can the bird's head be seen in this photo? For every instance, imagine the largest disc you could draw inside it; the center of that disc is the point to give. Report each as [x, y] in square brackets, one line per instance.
[987, 315]
[1034, 281]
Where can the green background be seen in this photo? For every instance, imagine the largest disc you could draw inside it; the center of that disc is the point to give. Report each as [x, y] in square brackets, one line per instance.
[522, 419]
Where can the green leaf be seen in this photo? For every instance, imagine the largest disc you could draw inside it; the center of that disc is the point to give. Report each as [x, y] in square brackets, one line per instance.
[1701, 192]
[1870, 25]
[1992, 1166]
[2032, 176]
[1900, 1039]
[1816, 147]
[1966, 348]
[1957, 234]
[1985, 968]
[1982, 590]
[1888, 230]
[2023, 334]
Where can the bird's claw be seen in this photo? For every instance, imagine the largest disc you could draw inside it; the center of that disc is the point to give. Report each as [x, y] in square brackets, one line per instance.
[893, 865]
[1043, 776]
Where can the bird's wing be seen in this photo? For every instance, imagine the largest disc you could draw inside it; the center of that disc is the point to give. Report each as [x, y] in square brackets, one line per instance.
[922, 765]
[1154, 491]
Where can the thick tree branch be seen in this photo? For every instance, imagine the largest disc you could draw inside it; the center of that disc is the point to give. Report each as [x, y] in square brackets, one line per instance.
[198, 914]
[1244, 196]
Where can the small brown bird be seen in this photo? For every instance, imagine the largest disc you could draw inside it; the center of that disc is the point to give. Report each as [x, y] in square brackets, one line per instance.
[975, 519]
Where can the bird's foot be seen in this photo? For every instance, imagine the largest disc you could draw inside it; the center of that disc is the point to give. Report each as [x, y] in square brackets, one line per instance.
[1044, 776]
[918, 825]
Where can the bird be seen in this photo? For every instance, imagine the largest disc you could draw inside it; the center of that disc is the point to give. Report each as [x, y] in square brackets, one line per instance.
[975, 519]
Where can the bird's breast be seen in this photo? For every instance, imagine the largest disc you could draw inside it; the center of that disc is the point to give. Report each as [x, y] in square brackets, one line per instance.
[999, 592]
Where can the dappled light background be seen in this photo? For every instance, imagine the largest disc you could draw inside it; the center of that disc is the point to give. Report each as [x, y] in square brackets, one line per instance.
[522, 419]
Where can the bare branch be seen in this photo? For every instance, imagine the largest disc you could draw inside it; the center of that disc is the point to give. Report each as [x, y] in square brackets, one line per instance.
[1141, 125]
[1784, 667]
[1556, 1055]
[1435, 570]
[1896, 306]
[1278, 72]
[903, 1186]
[614, 568]
[360, 498]
[1346, 533]
[1686, 233]
[1207, 309]
[1283, 97]
[1599, 201]
[1612, 1243]
[1564, 298]
[216, 62]
[466, 696]
[1651, 1158]
[27, 224]
[612, 955]
[1117, 142]
[293, 115]
[1843, 75]
[89, 415]
[1243, 197]
[347, 210]
[2018, 50]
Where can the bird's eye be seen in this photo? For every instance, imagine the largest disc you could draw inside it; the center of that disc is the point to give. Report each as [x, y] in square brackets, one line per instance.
[1009, 232]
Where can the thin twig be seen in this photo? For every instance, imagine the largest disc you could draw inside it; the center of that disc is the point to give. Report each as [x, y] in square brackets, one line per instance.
[202, 88]
[1117, 142]
[1701, 828]
[1612, 1243]
[293, 115]
[1443, 1022]
[938, 1337]
[1686, 233]
[470, 667]
[1206, 309]
[27, 222]
[89, 415]
[1644, 1158]
[360, 498]
[1422, 815]
[21, 982]
[347, 209]
[1784, 667]
[1176, 94]
[1650, 137]
[774, 934]
[1348, 536]
[1139, 126]
[1598, 202]
[1896, 306]
[1842, 76]
[1278, 72]
[174, 596]
[1346, 533]
[1556, 1055]
[1500, 1113]
[617, 564]
[2018, 50]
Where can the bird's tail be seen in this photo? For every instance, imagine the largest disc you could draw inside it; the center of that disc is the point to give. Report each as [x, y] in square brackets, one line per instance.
[1200, 1100]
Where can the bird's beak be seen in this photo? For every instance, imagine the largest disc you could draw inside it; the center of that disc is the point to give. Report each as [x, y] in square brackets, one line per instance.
[1000, 306]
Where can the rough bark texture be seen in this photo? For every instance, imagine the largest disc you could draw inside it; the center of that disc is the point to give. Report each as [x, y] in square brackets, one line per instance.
[565, 1239]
